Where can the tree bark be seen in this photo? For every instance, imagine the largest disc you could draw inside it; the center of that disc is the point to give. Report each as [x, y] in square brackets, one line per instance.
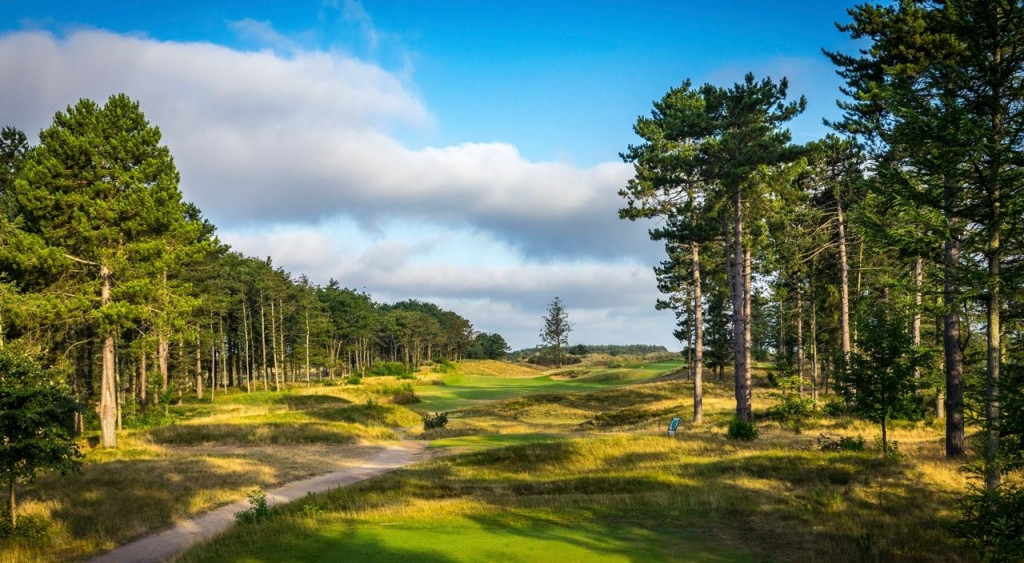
[800, 339]
[108, 383]
[993, 360]
[698, 344]
[273, 343]
[953, 352]
[844, 285]
[915, 334]
[12, 505]
[307, 348]
[199, 366]
[263, 336]
[741, 312]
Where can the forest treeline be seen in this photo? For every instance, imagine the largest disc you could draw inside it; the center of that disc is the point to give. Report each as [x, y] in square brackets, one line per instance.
[881, 264]
[107, 275]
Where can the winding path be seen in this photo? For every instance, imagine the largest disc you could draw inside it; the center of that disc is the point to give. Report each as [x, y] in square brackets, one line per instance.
[163, 546]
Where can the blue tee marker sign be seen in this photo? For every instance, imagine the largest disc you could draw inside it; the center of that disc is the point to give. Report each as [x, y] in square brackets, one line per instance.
[672, 426]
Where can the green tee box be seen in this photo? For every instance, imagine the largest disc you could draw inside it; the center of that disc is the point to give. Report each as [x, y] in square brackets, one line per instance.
[672, 426]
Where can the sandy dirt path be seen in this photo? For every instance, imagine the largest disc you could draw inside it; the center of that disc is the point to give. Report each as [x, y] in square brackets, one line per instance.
[164, 546]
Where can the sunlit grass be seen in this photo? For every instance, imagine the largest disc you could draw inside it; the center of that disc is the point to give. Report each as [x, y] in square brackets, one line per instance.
[589, 475]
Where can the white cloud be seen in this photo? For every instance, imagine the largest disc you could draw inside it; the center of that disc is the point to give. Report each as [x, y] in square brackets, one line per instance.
[276, 148]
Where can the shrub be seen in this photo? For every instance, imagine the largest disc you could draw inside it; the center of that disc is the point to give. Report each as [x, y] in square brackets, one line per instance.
[32, 530]
[841, 444]
[354, 379]
[444, 366]
[790, 408]
[405, 398]
[438, 420]
[258, 510]
[389, 368]
[836, 407]
[992, 522]
[741, 430]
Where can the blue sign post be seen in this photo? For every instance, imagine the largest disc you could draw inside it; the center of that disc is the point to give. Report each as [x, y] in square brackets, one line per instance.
[672, 426]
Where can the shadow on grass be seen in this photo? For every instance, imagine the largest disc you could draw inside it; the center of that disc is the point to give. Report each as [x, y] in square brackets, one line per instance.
[770, 503]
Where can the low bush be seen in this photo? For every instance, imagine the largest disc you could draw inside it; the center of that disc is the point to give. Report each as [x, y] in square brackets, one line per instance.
[397, 369]
[841, 444]
[444, 366]
[258, 510]
[741, 430]
[437, 420]
[32, 530]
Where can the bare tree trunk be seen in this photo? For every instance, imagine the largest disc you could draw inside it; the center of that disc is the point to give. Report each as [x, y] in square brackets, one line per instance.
[307, 348]
[143, 378]
[953, 350]
[223, 355]
[273, 342]
[12, 504]
[263, 335]
[814, 351]
[108, 382]
[741, 318]
[162, 351]
[844, 285]
[993, 360]
[800, 339]
[199, 366]
[245, 335]
[698, 340]
[213, 365]
[915, 329]
[280, 312]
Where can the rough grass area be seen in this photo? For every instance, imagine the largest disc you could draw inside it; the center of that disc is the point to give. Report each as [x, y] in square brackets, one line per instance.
[205, 455]
[461, 390]
[494, 368]
[619, 498]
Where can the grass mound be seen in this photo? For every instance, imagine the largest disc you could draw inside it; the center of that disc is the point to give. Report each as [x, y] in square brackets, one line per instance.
[494, 368]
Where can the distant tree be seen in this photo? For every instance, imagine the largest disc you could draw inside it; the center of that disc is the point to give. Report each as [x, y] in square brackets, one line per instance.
[35, 413]
[555, 333]
[488, 346]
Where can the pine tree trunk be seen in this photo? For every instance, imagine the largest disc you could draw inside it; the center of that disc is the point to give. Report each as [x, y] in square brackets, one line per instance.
[12, 505]
[143, 379]
[844, 286]
[108, 383]
[223, 355]
[199, 366]
[213, 365]
[280, 312]
[741, 332]
[698, 340]
[915, 329]
[245, 335]
[307, 348]
[814, 350]
[953, 350]
[800, 339]
[993, 360]
[273, 343]
[162, 352]
[263, 335]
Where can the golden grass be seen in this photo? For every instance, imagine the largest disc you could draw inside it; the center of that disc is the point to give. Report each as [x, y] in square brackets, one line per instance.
[494, 368]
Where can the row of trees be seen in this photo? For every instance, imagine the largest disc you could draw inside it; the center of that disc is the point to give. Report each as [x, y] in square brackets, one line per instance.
[110, 277]
[908, 224]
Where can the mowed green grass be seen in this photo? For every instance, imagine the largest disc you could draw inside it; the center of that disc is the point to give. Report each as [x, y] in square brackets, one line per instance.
[597, 480]
[466, 390]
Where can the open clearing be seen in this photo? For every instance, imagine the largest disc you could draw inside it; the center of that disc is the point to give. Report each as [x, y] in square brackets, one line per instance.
[580, 470]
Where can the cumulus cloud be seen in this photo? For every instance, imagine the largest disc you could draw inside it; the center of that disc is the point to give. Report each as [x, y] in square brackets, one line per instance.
[262, 137]
[277, 145]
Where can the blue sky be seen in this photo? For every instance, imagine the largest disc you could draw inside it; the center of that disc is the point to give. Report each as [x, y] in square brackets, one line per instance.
[464, 153]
